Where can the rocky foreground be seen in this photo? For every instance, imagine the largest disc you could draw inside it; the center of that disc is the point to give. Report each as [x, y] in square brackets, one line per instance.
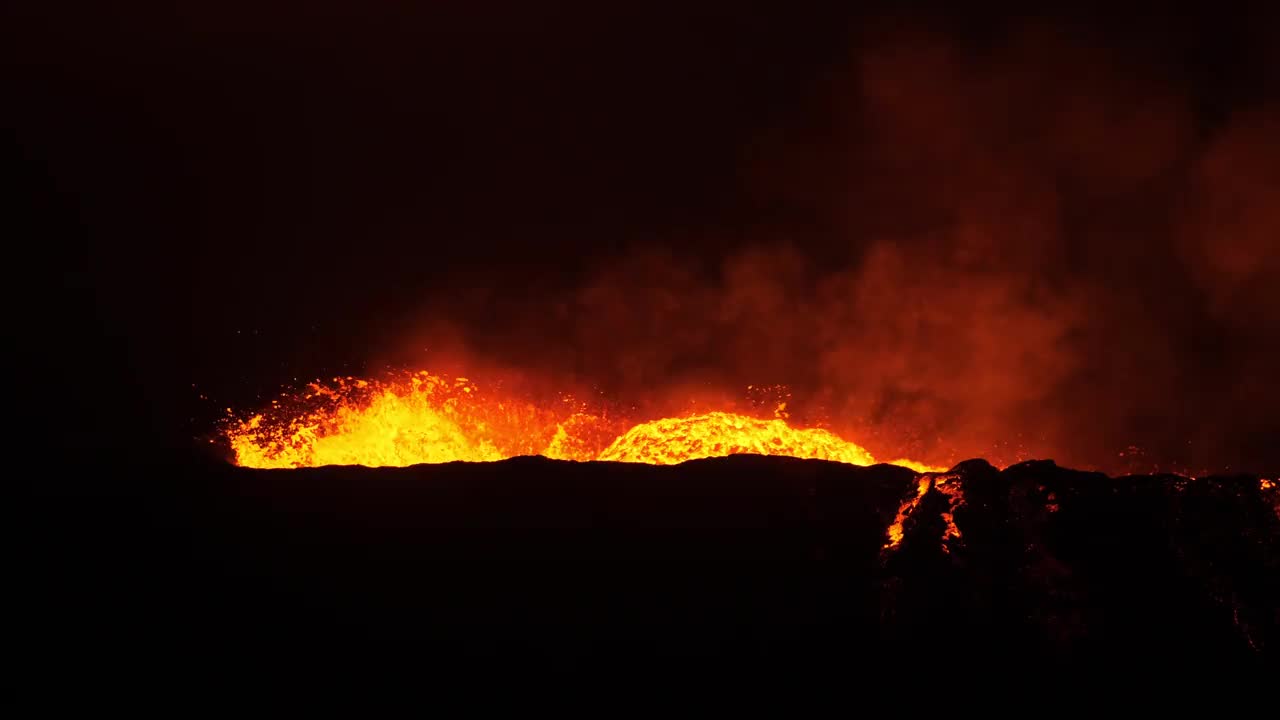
[738, 563]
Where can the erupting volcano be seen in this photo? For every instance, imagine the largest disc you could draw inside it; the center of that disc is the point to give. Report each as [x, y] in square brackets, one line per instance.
[428, 418]
[819, 343]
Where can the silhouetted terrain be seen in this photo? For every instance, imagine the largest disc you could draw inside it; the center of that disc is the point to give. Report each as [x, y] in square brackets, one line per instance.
[189, 567]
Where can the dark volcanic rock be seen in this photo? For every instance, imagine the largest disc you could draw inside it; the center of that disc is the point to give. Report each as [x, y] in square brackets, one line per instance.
[1073, 566]
[737, 563]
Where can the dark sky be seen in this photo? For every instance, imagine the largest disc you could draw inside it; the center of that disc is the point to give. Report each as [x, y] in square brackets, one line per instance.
[1067, 212]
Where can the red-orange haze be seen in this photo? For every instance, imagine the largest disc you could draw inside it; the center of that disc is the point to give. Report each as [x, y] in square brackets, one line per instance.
[1027, 249]
[1033, 247]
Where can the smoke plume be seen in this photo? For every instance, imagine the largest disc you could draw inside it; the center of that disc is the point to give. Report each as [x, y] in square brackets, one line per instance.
[1029, 248]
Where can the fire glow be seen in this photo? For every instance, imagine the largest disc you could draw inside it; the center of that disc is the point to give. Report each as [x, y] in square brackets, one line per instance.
[426, 418]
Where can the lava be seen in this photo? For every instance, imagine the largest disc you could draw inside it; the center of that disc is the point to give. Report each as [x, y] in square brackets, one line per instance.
[896, 530]
[930, 479]
[427, 418]
[674, 440]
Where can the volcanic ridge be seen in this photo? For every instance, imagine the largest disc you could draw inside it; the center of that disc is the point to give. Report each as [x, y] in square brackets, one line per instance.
[738, 562]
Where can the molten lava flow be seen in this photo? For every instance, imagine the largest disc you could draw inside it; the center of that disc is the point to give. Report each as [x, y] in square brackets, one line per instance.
[904, 511]
[422, 418]
[425, 418]
[949, 486]
[674, 440]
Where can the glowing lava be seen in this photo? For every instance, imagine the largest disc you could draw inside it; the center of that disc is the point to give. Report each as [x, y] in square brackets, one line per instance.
[946, 484]
[425, 418]
[421, 418]
[896, 530]
[674, 440]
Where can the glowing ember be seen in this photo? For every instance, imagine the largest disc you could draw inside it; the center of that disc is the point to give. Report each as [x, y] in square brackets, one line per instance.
[1270, 493]
[425, 418]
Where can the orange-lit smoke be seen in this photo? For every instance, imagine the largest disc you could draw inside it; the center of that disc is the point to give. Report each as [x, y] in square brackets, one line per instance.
[1038, 248]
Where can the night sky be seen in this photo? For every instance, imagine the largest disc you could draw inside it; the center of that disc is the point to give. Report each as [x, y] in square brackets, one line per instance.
[967, 221]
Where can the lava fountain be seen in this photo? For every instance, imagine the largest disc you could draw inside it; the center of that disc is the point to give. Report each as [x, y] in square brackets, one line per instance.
[427, 418]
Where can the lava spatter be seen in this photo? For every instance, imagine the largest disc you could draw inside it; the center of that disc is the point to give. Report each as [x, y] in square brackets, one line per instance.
[427, 418]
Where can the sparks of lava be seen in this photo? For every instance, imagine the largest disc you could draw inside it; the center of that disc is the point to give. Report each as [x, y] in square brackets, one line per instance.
[426, 418]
